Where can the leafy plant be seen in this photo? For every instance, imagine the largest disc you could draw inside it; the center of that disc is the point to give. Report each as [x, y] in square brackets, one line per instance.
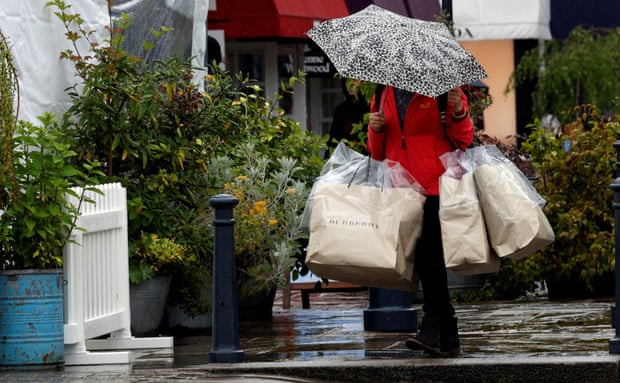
[37, 178]
[583, 69]
[575, 180]
[38, 216]
[155, 256]
[267, 227]
[8, 122]
[574, 171]
[174, 146]
[143, 123]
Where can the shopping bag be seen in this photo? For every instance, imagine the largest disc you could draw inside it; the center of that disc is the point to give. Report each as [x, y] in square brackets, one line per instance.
[466, 247]
[348, 167]
[364, 234]
[517, 226]
[515, 221]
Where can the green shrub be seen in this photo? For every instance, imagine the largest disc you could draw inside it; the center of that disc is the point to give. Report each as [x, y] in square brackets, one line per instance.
[576, 184]
[574, 171]
[174, 146]
[582, 69]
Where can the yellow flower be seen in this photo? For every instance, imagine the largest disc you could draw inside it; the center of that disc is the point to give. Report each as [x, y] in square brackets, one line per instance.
[291, 191]
[260, 208]
[273, 222]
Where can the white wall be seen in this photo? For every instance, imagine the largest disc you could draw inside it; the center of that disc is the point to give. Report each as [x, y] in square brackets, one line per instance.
[497, 58]
[36, 37]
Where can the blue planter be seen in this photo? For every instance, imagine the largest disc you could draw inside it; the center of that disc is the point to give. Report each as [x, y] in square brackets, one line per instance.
[31, 318]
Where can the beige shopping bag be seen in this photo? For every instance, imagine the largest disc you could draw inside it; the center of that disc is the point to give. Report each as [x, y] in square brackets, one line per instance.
[364, 234]
[516, 225]
[465, 244]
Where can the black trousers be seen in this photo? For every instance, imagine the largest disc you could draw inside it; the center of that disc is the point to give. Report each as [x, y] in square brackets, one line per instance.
[430, 264]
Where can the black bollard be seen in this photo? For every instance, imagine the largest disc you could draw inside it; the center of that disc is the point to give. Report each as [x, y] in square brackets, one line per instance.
[225, 339]
[390, 310]
[614, 343]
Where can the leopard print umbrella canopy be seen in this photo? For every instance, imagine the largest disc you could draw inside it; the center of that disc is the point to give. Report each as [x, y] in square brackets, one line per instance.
[386, 48]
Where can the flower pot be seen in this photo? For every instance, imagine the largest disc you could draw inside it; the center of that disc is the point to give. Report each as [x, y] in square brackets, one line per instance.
[257, 307]
[179, 323]
[148, 305]
[31, 318]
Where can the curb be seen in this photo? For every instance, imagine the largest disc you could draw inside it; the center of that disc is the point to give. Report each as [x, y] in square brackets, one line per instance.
[473, 370]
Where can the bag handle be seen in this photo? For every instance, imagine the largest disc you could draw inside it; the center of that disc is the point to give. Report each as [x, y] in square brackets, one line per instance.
[367, 173]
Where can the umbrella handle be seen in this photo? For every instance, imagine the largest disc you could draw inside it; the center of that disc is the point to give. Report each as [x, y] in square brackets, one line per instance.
[382, 101]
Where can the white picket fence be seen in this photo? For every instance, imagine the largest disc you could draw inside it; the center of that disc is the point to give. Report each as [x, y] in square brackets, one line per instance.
[96, 272]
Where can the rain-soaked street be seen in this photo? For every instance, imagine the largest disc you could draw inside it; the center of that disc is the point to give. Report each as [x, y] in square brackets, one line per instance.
[334, 328]
[535, 340]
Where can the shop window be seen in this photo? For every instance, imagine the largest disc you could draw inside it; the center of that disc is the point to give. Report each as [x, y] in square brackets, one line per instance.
[252, 65]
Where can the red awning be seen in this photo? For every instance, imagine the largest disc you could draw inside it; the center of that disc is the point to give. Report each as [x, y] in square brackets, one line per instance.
[273, 18]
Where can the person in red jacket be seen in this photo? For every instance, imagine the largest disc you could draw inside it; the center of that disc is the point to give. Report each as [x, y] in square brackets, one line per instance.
[408, 128]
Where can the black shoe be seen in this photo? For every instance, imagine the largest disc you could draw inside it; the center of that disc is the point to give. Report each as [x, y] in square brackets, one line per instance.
[435, 337]
[420, 342]
[427, 337]
[449, 342]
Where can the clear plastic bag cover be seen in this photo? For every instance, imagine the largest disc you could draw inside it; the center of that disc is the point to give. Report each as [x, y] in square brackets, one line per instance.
[450, 161]
[490, 155]
[346, 166]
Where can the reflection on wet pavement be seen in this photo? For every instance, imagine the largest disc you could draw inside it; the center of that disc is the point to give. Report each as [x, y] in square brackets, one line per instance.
[333, 329]
[510, 341]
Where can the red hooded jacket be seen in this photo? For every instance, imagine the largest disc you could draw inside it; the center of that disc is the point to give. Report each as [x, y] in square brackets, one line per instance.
[423, 139]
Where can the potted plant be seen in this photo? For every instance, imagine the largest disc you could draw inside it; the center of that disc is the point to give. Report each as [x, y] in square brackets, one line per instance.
[267, 227]
[268, 162]
[174, 146]
[143, 122]
[36, 219]
[152, 263]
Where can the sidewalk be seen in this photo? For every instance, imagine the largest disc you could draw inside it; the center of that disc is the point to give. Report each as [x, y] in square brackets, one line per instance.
[533, 341]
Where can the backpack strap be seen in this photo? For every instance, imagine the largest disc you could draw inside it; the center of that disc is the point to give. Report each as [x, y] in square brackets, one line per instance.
[442, 104]
[378, 93]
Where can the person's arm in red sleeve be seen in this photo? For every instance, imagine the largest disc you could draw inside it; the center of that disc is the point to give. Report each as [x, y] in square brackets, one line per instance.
[460, 129]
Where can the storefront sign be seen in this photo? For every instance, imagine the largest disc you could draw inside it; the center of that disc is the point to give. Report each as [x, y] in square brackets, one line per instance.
[316, 63]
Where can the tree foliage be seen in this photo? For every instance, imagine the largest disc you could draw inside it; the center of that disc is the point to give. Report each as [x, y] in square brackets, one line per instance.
[583, 69]
[576, 170]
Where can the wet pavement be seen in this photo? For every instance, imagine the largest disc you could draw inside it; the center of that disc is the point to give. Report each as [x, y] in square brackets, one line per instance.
[517, 341]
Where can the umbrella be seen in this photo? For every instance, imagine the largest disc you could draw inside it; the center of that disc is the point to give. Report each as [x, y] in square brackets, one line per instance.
[383, 47]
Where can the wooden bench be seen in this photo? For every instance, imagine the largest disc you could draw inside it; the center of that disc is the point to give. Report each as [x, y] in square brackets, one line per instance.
[307, 287]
